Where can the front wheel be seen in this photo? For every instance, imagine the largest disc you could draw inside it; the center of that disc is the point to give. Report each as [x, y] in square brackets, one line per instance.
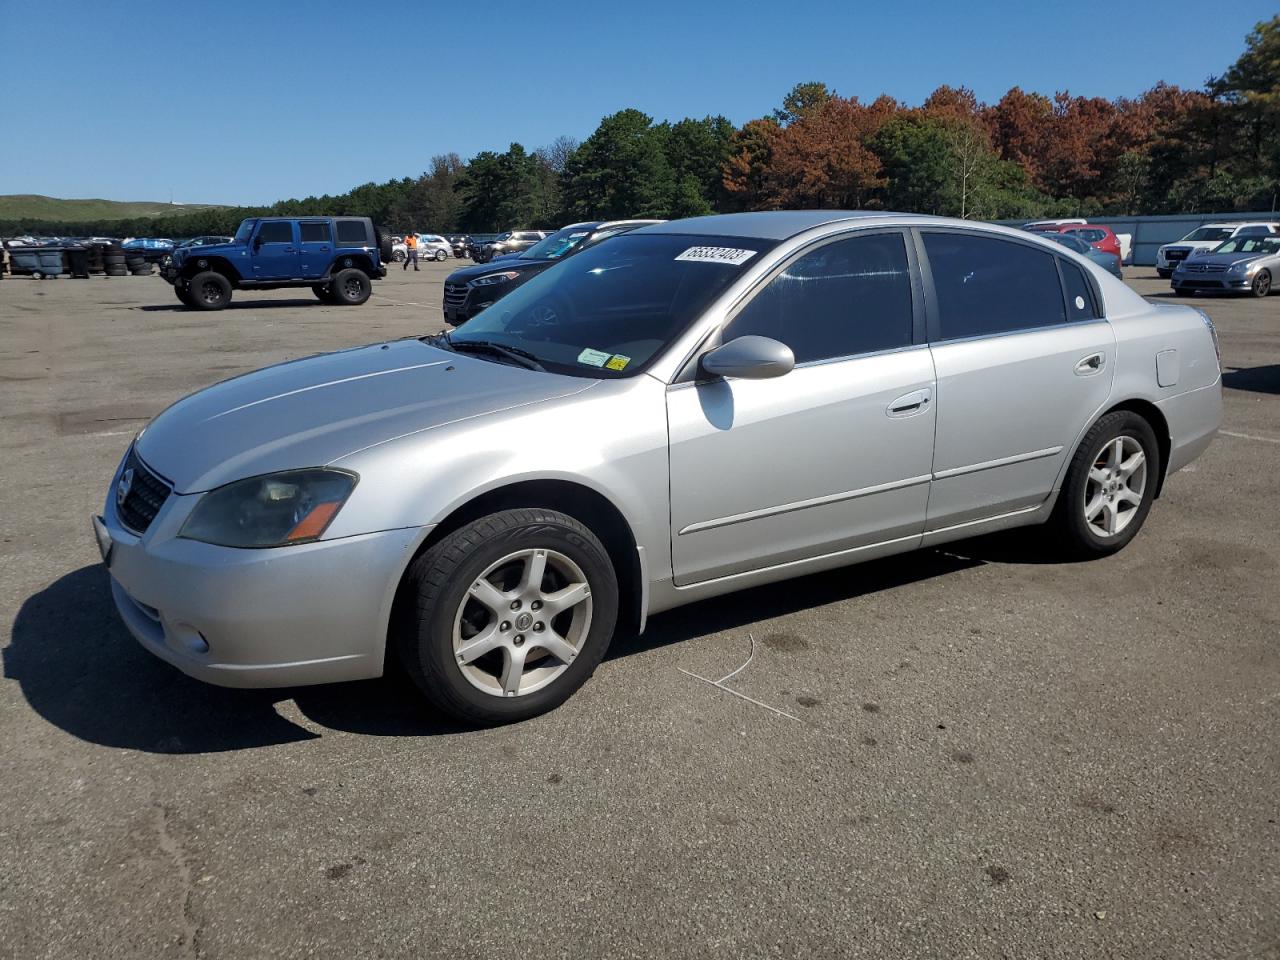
[506, 617]
[441, 256]
[399, 256]
[350, 287]
[184, 295]
[1164, 274]
[1261, 285]
[209, 291]
[1109, 487]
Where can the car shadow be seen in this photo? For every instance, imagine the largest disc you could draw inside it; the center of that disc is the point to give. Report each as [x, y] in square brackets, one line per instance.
[1257, 379]
[79, 668]
[235, 305]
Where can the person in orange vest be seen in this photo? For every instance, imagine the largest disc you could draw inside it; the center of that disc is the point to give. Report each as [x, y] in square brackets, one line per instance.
[411, 250]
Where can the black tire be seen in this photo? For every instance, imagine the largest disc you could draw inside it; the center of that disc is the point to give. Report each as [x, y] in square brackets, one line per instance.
[37, 275]
[384, 243]
[209, 291]
[1164, 274]
[1183, 292]
[1261, 285]
[183, 295]
[1076, 535]
[436, 587]
[322, 292]
[351, 287]
[114, 271]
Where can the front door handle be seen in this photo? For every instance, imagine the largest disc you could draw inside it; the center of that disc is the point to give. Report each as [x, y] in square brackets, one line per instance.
[910, 404]
[1090, 365]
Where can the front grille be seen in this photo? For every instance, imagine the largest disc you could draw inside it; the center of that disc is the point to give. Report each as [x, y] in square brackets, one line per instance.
[143, 497]
[1172, 255]
[1204, 268]
[455, 294]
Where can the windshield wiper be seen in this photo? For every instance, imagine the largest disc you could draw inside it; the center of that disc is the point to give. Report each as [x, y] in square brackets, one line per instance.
[520, 357]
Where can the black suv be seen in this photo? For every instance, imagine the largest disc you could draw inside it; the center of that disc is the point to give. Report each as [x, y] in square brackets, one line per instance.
[471, 289]
[513, 241]
[337, 257]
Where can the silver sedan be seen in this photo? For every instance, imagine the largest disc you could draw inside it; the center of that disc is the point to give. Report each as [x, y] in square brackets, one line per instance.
[690, 409]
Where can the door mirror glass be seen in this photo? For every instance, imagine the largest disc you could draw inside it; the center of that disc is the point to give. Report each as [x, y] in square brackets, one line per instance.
[750, 357]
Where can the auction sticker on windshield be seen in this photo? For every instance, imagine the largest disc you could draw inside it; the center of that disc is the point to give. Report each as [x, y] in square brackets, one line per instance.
[730, 255]
[618, 362]
[593, 358]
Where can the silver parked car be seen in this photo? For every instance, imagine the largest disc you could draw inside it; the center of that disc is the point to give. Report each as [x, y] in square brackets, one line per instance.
[688, 409]
[1243, 264]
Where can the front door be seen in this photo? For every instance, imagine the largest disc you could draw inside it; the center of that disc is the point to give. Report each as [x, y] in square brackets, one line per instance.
[1024, 362]
[275, 251]
[833, 456]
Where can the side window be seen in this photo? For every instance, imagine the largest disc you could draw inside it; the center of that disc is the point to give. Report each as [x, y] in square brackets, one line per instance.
[276, 231]
[314, 232]
[986, 285]
[845, 298]
[352, 233]
[1080, 304]
[1253, 232]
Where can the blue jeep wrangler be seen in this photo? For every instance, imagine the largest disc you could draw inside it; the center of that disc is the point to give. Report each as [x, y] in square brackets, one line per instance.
[337, 257]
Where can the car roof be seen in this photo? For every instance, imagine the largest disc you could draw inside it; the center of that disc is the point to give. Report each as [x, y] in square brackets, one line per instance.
[784, 224]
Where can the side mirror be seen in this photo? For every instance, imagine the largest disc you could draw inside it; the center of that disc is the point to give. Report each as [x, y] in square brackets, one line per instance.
[751, 358]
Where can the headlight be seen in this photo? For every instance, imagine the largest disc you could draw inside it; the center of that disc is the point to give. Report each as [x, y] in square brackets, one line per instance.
[270, 511]
[1244, 267]
[494, 278]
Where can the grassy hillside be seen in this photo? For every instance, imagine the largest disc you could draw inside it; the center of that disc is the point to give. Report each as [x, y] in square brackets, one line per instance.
[30, 206]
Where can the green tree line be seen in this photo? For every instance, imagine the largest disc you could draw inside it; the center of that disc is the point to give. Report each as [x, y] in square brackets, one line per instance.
[1027, 155]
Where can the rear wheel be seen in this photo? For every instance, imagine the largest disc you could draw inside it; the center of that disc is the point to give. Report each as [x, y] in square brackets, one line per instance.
[441, 255]
[350, 287]
[506, 617]
[209, 291]
[1109, 487]
[322, 292]
[399, 256]
[1261, 285]
[1183, 292]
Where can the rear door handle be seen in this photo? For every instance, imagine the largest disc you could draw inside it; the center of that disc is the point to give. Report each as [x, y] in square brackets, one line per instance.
[1090, 365]
[910, 404]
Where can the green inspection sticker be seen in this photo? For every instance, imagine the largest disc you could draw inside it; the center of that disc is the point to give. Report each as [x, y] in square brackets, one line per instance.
[593, 358]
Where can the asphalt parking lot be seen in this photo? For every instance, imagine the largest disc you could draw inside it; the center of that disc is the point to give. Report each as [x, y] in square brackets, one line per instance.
[959, 753]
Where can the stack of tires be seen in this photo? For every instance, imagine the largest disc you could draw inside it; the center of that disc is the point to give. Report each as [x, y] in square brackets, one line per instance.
[96, 263]
[137, 264]
[113, 261]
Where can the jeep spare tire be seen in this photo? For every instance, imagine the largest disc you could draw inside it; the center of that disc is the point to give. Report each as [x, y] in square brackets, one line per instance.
[350, 287]
[384, 244]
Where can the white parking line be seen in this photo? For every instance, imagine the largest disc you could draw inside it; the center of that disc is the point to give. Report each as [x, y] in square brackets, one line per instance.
[398, 303]
[1248, 436]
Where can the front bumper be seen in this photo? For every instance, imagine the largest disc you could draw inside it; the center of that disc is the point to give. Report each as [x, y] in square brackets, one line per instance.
[305, 614]
[1219, 282]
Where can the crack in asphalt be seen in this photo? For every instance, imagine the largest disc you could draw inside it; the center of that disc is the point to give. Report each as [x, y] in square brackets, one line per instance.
[189, 942]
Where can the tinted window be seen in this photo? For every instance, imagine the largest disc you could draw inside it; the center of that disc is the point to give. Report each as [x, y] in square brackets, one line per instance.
[1072, 243]
[1080, 303]
[276, 231]
[352, 233]
[314, 232]
[848, 297]
[1253, 232]
[985, 285]
[1092, 236]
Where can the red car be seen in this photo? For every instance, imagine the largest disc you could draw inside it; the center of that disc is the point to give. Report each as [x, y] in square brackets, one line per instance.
[1094, 234]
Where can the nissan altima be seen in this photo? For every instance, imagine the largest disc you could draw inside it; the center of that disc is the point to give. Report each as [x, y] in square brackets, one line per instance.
[685, 410]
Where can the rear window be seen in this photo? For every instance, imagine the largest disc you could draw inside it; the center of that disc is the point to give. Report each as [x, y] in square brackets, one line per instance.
[1080, 302]
[352, 233]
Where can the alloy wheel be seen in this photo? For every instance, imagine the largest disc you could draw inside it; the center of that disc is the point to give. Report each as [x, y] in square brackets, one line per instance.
[1113, 492]
[522, 623]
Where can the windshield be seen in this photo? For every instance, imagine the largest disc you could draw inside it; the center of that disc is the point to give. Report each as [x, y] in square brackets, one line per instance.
[612, 309]
[1249, 245]
[1209, 233]
[244, 230]
[556, 245]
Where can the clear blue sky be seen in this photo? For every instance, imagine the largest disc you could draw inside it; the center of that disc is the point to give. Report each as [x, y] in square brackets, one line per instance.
[251, 102]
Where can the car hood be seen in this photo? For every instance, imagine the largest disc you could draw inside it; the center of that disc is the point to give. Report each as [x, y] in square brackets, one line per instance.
[311, 412]
[211, 250]
[467, 274]
[1225, 259]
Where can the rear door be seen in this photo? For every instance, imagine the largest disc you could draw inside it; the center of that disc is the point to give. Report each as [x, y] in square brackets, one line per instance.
[1024, 362]
[316, 245]
[275, 251]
